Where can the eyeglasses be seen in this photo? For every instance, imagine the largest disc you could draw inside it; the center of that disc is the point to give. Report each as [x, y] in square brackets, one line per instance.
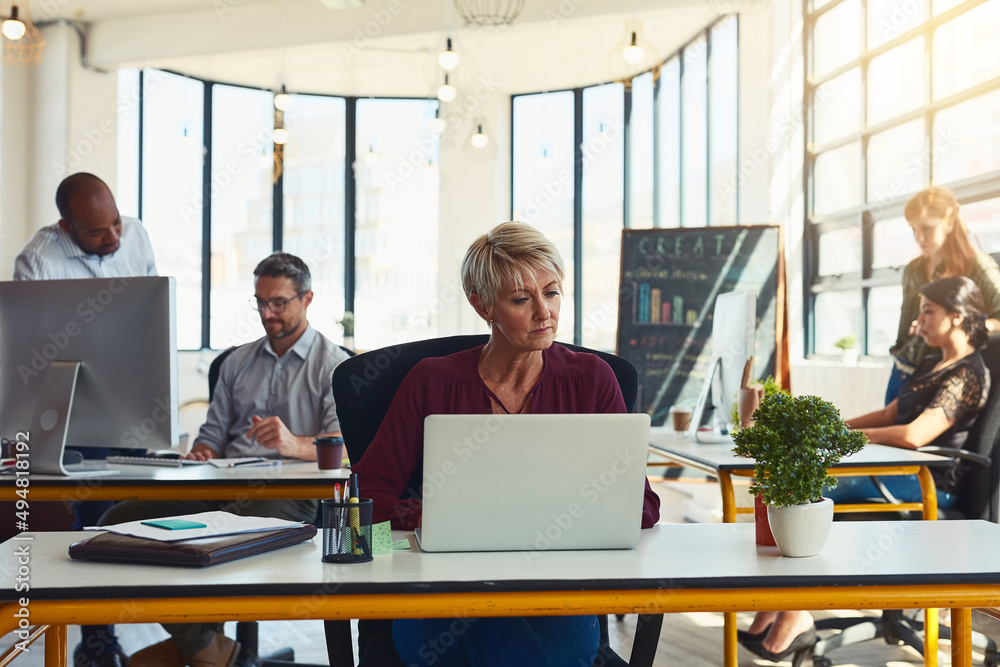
[276, 306]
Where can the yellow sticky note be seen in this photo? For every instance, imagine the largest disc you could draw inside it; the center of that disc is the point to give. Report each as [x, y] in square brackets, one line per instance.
[381, 538]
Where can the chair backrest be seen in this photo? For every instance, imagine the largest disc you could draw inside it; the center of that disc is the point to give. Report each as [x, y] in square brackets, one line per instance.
[365, 385]
[979, 486]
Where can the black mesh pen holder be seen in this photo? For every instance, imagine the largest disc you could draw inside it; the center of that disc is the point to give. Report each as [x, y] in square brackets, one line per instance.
[347, 531]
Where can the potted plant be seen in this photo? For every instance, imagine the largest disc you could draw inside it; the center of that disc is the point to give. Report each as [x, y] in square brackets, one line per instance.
[794, 441]
[848, 350]
[347, 323]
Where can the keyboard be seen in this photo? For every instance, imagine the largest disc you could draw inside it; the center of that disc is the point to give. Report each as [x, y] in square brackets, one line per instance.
[165, 461]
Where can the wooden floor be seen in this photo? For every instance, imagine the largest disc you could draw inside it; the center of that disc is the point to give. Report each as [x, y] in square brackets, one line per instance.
[687, 640]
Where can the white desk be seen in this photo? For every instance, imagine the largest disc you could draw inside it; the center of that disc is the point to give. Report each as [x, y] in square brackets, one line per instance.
[719, 461]
[676, 568]
[290, 480]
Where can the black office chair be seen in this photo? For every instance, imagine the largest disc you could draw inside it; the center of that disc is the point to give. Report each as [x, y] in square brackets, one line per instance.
[247, 632]
[363, 388]
[977, 498]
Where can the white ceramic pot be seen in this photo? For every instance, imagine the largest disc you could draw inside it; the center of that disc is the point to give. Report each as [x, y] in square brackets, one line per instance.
[849, 357]
[801, 530]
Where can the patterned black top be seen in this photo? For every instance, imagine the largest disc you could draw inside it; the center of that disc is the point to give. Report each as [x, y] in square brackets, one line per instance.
[960, 390]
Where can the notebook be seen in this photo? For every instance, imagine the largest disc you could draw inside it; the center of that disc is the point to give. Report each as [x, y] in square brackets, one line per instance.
[533, 482]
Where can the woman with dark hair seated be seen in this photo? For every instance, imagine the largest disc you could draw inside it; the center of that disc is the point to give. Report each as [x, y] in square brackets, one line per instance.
[937, 406]
[512, 276]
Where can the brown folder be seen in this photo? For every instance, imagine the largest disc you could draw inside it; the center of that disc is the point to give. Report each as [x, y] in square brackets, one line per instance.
[196, 552]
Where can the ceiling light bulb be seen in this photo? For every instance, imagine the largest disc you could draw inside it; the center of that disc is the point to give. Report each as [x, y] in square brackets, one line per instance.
[447, 92]
[13, 27]
[437, 124]
[282, 101]
[633, 52]
[371, 157]
[448, 59]
[479, 139]
[280, 135]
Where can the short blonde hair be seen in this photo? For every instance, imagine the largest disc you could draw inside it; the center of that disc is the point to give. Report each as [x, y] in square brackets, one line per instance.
[500, 256]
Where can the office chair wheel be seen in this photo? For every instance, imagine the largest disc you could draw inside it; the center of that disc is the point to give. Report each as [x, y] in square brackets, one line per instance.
[821, 661]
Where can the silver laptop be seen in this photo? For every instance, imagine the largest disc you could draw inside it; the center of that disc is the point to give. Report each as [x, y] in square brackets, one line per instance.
[533, 482]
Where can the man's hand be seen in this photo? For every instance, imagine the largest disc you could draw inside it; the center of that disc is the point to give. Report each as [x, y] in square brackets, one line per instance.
[202, 452]
[273, 434]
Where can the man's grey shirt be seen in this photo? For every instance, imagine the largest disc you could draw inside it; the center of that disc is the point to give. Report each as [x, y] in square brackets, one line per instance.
[254, 381]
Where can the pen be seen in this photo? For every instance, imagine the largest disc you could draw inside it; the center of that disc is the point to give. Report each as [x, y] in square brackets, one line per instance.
[355, 517]
[336, 493]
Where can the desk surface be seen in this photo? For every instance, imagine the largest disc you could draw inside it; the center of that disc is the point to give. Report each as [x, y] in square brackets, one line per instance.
[670, 556]
[292, 479]
[721, 457]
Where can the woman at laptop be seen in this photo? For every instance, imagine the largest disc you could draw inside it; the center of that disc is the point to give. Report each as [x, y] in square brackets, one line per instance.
[512, 276]
[937, 406]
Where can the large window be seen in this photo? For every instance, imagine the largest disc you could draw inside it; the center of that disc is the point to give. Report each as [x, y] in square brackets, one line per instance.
[901, 96]
[397, 296]
[658, 150]
[216, 200]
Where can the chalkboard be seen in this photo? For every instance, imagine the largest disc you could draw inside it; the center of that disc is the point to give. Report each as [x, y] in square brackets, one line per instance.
[669, 281]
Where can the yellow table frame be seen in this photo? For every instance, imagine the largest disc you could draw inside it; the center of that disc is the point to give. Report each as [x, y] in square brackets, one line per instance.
[927, 507]
[57, 614]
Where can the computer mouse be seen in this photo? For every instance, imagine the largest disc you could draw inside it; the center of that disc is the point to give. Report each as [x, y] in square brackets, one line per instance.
[166, 454]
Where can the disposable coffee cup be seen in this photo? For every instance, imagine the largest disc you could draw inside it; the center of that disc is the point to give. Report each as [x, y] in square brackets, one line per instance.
[681, 416]
[329, 452]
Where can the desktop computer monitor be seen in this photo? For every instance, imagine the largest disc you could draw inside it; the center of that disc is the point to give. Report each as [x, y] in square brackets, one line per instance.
[734, 320]
[88, 363]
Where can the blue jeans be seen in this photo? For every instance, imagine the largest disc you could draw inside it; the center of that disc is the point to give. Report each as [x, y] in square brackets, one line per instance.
[905, 488]
[542, 641]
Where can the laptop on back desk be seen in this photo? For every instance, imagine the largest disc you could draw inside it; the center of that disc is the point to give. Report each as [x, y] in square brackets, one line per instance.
[533, 482]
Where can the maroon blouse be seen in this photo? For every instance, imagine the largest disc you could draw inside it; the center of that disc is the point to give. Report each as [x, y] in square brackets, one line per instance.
[571, 382]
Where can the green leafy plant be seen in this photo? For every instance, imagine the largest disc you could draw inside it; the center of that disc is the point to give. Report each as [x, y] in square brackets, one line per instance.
[348, 324]
[847, 342]
[793, 441]
[771, 387]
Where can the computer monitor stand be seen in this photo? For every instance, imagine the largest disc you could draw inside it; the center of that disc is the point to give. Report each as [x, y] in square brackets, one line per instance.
[50, 423]
[707, 437]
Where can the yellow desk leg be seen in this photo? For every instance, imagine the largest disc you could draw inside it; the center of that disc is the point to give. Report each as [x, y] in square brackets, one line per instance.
[928, 493]
[728, 516]
[55, 646]
[931, 637]
[961, 637]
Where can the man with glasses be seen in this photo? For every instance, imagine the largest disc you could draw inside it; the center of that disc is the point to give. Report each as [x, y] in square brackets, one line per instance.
[272, 398]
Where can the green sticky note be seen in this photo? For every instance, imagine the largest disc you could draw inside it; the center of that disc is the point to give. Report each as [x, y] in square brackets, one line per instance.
[381, 538]
[401, 544]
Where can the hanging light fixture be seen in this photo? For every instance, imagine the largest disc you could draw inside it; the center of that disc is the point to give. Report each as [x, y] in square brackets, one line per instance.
[371, 157]
[633, 52]
[632, 56]
[13, 28]
[479, 138]
[446, 92]
[282, 100]
[488, 13]
[437, 123]
[20, 40]
[448, 59]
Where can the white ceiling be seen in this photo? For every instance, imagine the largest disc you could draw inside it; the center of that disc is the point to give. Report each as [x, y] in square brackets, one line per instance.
[385, 47]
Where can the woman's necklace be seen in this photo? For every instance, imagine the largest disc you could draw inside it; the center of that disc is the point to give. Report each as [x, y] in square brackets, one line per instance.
[499, 403]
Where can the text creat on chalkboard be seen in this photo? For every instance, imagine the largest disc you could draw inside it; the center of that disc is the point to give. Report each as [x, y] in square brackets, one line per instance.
[669, 281]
